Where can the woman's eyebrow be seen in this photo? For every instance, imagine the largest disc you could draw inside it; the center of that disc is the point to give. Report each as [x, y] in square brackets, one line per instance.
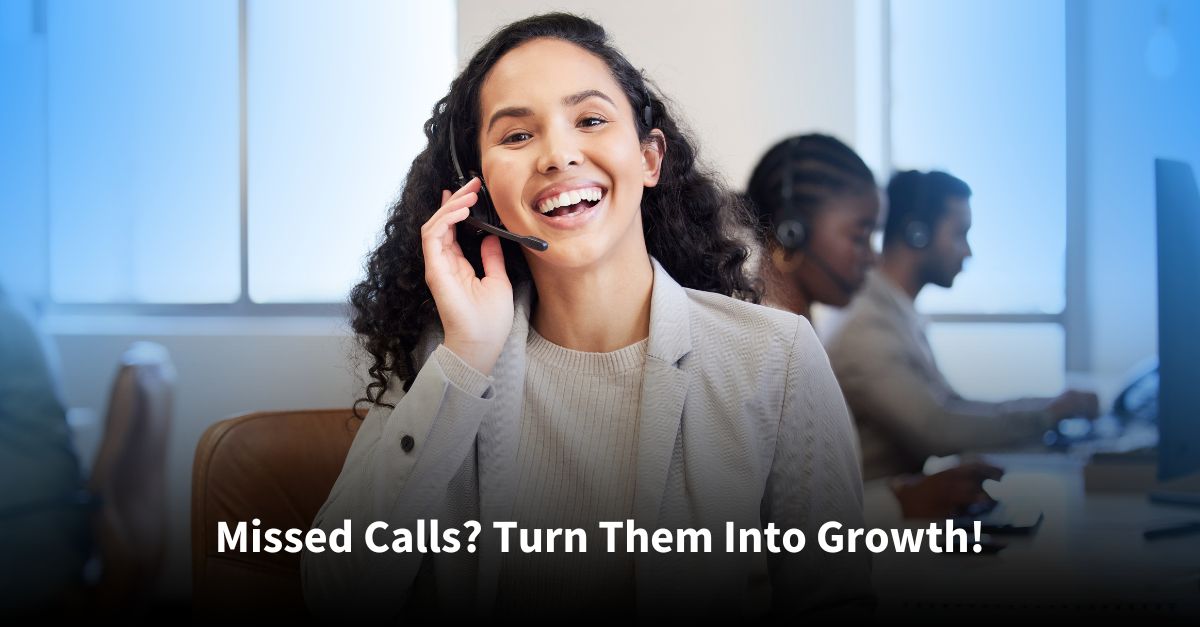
[577, 98]
[570, 101]
[509, 112]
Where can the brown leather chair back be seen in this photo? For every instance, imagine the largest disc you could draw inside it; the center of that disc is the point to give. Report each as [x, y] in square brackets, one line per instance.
[278, 467]
[129, 478]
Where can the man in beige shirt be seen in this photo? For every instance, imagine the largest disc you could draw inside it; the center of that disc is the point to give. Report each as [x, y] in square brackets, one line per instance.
[905, 408]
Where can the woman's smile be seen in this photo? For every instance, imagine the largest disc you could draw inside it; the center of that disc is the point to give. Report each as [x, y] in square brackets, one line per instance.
[559, 147]
[569, 205]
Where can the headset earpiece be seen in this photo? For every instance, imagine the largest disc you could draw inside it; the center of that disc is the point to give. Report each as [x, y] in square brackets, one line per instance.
[792, 234]
[916, 234]
[648, 109]
[483, 213]
[791, 225]
[484, 209]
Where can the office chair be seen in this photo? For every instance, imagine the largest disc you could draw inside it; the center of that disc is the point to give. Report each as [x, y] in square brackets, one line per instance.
[128, 480]
[278, 467]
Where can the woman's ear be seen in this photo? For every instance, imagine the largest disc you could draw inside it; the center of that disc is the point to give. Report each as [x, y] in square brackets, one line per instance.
[654, 148]
[786, 261]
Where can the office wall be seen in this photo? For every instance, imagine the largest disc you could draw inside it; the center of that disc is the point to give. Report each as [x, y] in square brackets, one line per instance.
[743, 74]
[1142, 99]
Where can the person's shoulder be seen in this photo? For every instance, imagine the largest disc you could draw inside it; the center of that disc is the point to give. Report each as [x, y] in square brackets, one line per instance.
[867, 337]
[738, 318]
[757, 334]
[863, 319]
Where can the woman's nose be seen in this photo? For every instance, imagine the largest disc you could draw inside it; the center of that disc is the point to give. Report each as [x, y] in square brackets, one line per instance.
[559, 151]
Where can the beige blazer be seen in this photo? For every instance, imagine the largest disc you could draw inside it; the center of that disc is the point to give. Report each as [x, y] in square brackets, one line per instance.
[741, 420]
[905, 408]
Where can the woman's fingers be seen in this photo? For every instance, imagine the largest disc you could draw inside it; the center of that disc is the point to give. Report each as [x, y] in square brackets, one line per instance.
[466, 196]
[454, 204]
[449, 220]
[438, 242]
[472, 185]
[443, 255]
[437, 224]
[441, 228]
[493, 258]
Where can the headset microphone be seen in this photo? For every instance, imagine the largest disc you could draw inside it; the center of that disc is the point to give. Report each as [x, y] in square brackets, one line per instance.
[846, 286]
[484, 205]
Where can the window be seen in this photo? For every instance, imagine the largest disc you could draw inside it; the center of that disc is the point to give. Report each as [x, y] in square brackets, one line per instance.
[337, 97]
[217, 151]
[979, 89]
[142, 148]
[1018, 359]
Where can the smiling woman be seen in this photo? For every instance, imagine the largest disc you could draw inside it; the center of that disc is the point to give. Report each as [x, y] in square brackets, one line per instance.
[611, 376]
[583, 140]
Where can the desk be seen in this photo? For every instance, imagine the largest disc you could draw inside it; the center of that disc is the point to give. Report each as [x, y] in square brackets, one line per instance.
[1088, 556]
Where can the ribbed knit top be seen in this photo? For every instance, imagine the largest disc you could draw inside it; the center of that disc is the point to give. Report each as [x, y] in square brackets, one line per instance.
[576, 461]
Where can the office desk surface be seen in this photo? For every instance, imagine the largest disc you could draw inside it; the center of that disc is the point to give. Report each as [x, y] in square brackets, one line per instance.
[1087, 557]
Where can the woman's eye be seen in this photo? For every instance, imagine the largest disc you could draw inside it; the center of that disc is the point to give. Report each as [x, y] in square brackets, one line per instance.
[515, 138]
[592, 122]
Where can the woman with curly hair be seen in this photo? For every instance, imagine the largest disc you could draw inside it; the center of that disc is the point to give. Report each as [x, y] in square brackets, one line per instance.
[611, 376]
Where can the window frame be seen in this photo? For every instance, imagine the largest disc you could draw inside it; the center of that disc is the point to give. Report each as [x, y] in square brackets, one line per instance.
[243, 306]
[874, 24]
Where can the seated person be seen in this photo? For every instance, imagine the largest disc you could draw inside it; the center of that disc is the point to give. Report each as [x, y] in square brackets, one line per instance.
[817, 205]
[581, 381]
[43, 530]
[905, 409]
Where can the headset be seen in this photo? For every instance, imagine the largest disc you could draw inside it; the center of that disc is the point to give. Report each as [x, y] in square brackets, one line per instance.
[917, 233]
[792, 231]
[791, 225]
[483, 214]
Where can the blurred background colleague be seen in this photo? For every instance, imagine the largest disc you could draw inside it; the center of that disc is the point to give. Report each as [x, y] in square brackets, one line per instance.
[905, 408]
[44, 537]
[817, 205]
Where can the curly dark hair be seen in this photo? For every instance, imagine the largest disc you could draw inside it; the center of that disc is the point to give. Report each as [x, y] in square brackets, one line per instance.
[688, 218]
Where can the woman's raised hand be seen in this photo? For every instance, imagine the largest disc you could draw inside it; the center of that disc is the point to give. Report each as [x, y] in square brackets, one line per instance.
[476, 313]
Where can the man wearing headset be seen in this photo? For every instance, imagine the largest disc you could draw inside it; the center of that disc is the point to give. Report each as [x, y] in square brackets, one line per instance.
[905, 409]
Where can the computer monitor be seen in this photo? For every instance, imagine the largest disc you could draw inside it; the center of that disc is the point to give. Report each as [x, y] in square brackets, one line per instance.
[1178, 207]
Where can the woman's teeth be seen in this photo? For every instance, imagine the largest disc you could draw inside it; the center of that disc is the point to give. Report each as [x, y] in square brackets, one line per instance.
[569, 199]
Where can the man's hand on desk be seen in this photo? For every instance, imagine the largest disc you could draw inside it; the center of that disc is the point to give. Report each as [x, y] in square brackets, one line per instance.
[945, 494]
[1072, 403]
